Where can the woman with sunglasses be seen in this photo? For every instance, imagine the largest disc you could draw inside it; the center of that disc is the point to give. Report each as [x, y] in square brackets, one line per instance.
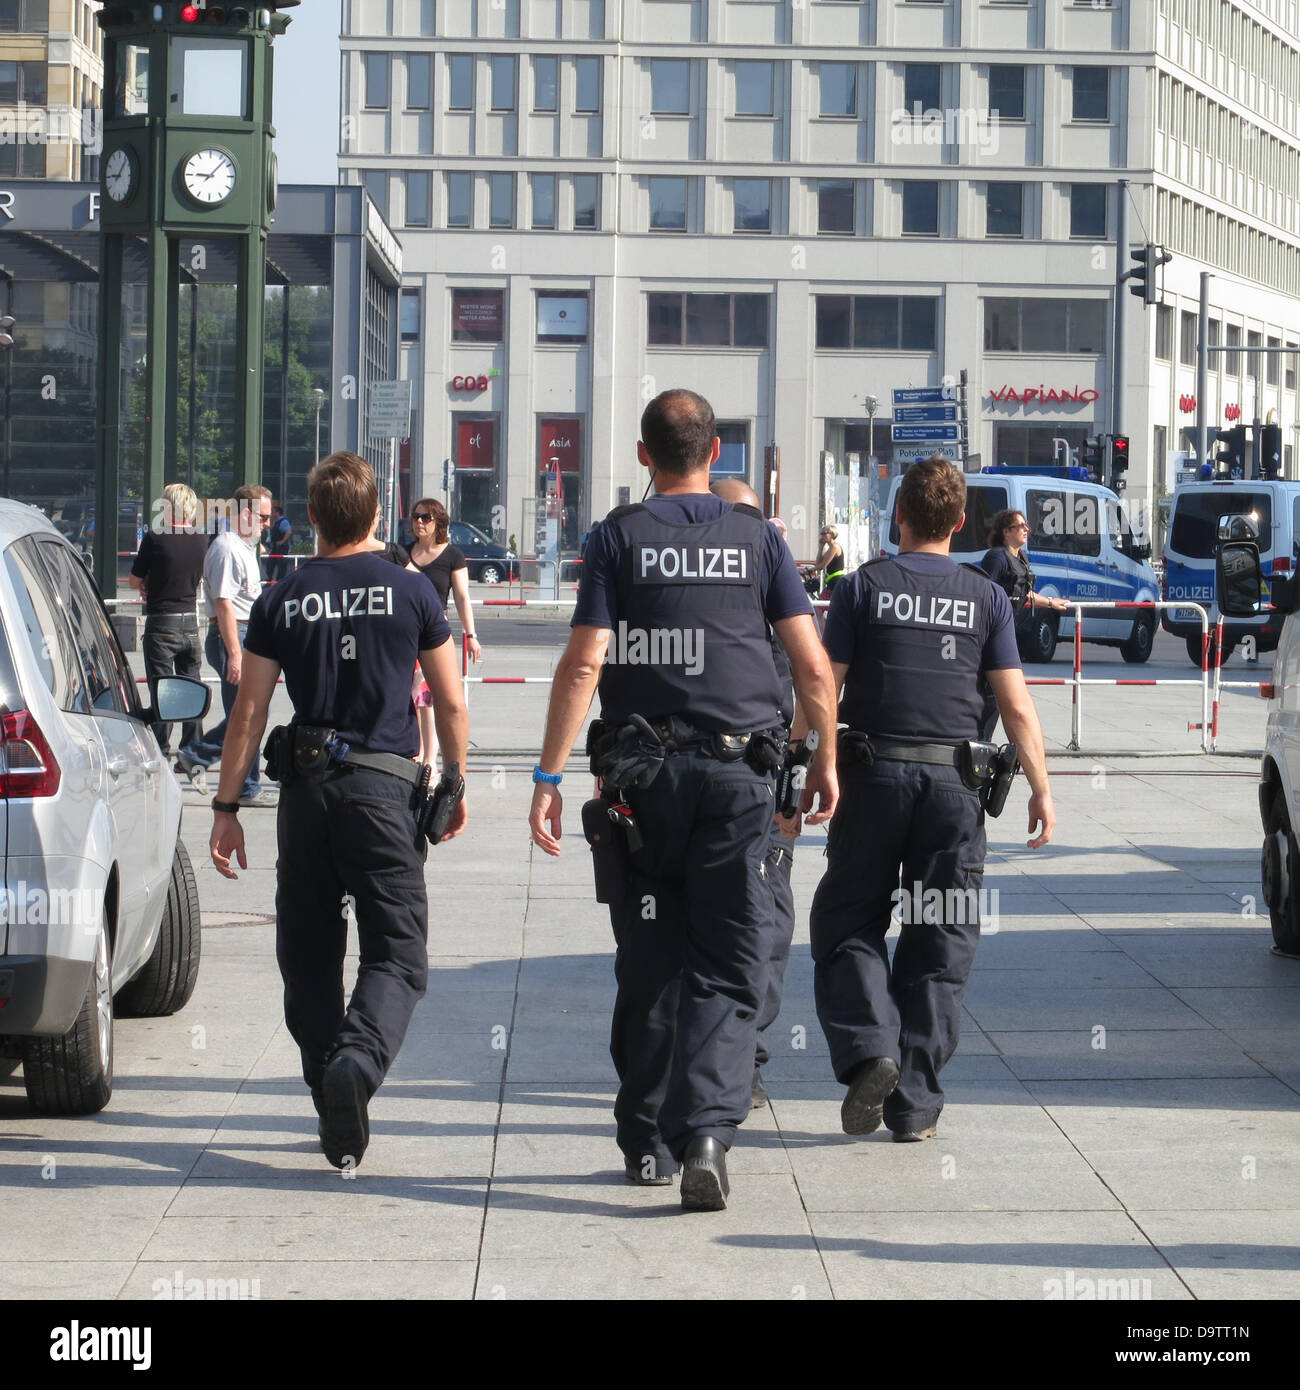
[1007, 564]
[830, 558]
[445, 567]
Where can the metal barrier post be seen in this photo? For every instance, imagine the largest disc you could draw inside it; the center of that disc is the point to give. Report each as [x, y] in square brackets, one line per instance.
[1218, 677]
[1076, 693]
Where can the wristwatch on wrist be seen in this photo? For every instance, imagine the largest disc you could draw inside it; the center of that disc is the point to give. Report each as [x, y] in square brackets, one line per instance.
[231, 808]
[551, 778]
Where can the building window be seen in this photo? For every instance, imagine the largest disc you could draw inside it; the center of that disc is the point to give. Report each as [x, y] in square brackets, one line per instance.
[419, 81]
[503, 81]
[668, 205]
[418, 198]
[21, 160]
[587, 99]
[733, 451]
[1007, 93]
[1044, 325]
[501, 200]
[460, 86]
[1233, 365]
[1164, 332]
[707, 320]
[871, 322]
[543, 187]
[920, 208]
[1187, 339]
[377, 187]
[545, 84]
[26, 16]
[1289, 367]
[1273, 368]
[376, 66]
[753, 89]
[835, 206]
[1005, 210]
[1092, 94]
[23, 81]
[460, 200]
[1088, 209]
[586, 202]
[1159, 443]
[669, 87]
[478, 316]
[561, 316]
[410, 315]
[838, 83]
[921, 82]
[753, 205]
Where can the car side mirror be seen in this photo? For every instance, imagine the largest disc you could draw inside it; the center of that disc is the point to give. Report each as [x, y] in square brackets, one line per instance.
[1238, 582]
[1241, 527]
[177, 700]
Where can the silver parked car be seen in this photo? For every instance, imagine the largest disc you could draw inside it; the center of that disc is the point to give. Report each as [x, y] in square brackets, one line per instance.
[99, 898]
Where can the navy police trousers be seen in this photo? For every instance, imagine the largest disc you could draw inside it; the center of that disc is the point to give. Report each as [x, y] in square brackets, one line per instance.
[921, 824]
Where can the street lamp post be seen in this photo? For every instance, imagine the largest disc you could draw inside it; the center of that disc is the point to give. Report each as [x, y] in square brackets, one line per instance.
[871, 404]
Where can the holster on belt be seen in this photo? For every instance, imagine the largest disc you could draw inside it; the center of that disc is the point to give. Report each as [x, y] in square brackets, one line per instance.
[994, 795]
[629, 756]
[612, 832]
[855, 747]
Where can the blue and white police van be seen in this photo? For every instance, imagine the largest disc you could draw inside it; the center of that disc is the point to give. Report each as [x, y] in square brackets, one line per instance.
[1081, 547]
[1190, 549]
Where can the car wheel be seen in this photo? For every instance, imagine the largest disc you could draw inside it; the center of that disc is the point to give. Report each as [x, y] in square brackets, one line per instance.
[1138, 646]
[1194, 650]
[490, 574]
[1038, 640]
[169, 975]
[1280, 875]
[73, 1075]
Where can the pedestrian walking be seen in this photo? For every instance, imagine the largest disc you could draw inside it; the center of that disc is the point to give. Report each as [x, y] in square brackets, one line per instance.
[166, 571]
[354, 815]
[674, 606]
[910, 641]
[232, 581]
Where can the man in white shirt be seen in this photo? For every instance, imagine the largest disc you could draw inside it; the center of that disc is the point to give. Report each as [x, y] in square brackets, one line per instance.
[232, 580]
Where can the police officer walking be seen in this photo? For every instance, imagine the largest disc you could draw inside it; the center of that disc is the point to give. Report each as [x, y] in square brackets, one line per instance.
[909, 640]
[346, 629]
[672, 621]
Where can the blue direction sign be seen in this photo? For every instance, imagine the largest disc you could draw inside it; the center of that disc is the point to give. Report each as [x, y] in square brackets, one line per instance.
[916, 414]
[922, 395]
[925, 434]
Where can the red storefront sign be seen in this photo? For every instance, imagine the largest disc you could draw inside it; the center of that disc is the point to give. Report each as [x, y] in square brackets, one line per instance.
[1232, 412]
[475, 443]
[469, 383]
[1187, 404]
[559, 438]
[1044, 395]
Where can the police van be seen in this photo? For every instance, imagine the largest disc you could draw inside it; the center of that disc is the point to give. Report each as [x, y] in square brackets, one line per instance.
[1081, 547]
[1190, 551]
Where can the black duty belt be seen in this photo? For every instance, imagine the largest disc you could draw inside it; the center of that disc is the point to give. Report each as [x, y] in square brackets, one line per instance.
[936, 754]
[297, 750]
[392, 763]
[181, 620]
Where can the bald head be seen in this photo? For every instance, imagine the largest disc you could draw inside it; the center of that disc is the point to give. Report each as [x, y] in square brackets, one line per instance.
[678, 430]
[734, 491]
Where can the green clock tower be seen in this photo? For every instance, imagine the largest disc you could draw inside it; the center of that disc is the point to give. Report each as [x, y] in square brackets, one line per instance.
[187, 156]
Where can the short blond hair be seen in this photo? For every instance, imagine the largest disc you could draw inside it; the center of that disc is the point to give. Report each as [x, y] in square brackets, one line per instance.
[182, 505]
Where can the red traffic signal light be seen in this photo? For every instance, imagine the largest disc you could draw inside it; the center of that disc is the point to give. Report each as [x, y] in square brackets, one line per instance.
[1119, 450]
[189, 14]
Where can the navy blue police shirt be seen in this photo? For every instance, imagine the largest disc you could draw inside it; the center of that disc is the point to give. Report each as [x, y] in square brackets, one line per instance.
[346, 632]
[597, 606]
[916, 644]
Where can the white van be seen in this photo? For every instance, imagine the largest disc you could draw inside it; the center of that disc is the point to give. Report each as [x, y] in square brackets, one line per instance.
[1081, 547]
[1190, 550]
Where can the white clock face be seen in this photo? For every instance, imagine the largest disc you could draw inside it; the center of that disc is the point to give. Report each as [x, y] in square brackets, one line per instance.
[119, 176]
[209, 176]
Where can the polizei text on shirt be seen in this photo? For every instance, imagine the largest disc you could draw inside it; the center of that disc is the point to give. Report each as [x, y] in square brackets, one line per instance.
[692, 564]
[339, 603]
[926, 610]
[657, 646]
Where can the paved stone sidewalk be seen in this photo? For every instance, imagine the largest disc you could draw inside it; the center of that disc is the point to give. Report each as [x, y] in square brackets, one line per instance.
[1124, 1106]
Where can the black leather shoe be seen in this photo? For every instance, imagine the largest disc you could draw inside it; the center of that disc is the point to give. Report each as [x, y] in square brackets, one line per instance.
[704, 1176]
[864, 1106]
[758, 1097]
[649, 1170]
[915, 1136]
[345, 1122]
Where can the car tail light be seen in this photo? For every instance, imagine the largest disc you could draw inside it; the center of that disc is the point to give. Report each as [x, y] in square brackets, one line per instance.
[1267, 691]
[27, 763]
[1282, 565]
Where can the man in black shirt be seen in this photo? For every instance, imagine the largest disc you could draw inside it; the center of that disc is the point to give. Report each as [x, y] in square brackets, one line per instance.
[677, 599]
[166, 571]
[346, 630]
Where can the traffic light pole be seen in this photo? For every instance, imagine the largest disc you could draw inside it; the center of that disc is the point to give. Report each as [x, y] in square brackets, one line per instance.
[1121, 256]
[1203, 372]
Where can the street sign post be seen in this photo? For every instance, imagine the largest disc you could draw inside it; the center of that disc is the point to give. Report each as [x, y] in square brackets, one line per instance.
[920, 434]
[920, 414]
[909, 453]
[389, 413]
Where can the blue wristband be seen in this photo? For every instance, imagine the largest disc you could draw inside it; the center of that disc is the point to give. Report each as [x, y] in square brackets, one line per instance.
[552, 778]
